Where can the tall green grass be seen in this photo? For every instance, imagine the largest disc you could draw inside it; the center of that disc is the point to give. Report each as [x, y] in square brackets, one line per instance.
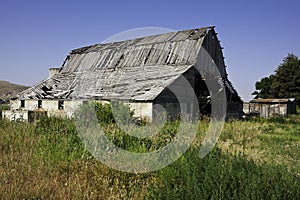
[59, 141]
[223, 176]
[256, 159]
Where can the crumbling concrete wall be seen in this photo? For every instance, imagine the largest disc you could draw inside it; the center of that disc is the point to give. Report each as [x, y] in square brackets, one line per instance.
[67, 108]
[31, 104]
[15, 104]
[142, 109]
[15, 115]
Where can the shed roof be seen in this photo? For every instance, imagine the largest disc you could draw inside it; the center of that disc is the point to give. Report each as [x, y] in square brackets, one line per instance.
[272, 100]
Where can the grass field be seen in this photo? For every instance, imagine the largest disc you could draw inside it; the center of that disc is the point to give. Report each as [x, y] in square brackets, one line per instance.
[254, 159]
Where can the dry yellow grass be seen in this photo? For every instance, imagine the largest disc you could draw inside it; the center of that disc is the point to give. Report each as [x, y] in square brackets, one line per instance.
[263, 141]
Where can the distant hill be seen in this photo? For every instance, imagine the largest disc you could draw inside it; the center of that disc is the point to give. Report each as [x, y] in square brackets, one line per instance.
[7, 90]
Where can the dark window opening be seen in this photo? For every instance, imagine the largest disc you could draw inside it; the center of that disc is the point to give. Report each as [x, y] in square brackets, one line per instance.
[22, 103]
[39, 103]
[60, 104]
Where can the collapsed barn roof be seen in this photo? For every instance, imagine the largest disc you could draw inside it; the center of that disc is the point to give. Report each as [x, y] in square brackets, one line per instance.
[137, 69]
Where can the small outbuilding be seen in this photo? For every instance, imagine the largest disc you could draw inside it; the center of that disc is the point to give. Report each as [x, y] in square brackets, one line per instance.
[272, 107]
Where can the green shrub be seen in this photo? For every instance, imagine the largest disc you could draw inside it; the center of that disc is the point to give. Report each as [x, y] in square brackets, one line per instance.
[117, 120]
[122, 139]
[106, 113]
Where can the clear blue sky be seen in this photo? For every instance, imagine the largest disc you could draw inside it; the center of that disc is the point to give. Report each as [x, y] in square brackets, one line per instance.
[36, 35]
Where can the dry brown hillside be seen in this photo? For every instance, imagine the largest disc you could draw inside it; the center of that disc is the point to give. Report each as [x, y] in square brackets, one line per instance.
[8, 89]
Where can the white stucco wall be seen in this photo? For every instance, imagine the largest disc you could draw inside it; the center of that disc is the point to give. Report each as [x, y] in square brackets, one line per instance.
[19, 115]
[141, 109]
[15, 104]
[69, 107]
[31, 105]
[51, 106]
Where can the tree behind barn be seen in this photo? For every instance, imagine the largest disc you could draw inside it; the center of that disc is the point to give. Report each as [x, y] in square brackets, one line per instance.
[284, 83]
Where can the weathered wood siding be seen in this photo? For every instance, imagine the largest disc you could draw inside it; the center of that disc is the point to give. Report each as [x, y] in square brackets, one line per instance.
[273, 107]
[212, 45]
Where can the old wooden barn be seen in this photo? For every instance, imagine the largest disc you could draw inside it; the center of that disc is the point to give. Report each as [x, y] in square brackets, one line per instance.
[138, 71]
